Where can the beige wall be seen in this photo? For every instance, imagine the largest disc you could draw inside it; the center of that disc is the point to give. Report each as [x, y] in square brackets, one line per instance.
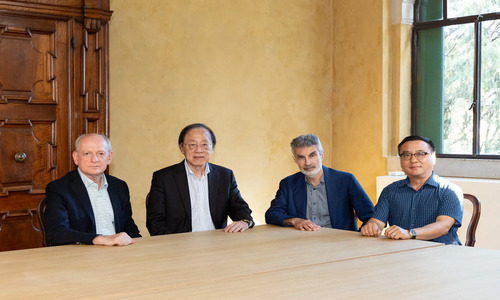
[358, 75]
[259, 72]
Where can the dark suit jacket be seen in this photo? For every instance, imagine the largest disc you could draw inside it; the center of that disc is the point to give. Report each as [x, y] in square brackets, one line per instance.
[169, 204]
[344, 196]
[69, 217]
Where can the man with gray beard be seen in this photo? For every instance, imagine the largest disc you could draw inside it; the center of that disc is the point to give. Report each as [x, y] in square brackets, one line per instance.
[318, 196]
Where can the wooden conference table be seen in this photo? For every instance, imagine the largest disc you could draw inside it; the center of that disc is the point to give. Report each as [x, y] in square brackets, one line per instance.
[266, 262]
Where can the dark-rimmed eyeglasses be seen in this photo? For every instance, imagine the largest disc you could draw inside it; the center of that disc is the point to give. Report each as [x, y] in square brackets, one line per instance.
[421, 155]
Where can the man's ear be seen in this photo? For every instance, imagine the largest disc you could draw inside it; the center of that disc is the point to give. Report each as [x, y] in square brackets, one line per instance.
[110, 157]
[75, 157]
[433, 157]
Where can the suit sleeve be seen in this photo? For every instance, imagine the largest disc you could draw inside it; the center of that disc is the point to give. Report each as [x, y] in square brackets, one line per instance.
[382, 210]
[130, 226]
[57, 218]
[362, 204]
[279, 206]
[238, 208]
[156, 217]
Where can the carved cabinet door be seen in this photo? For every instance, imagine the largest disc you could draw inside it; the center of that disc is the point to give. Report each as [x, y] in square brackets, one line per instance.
[54, 75]
[34, 112]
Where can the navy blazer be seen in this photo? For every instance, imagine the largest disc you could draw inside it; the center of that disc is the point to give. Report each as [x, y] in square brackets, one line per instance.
[69, 217]
[344, 196]
[169, 205]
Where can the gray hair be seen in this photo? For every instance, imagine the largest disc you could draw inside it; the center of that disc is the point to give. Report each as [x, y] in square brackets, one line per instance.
[306, 140]
[105, 138]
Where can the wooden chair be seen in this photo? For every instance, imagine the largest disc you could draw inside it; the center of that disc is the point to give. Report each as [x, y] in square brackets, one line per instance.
[474, 220]
[41, 211]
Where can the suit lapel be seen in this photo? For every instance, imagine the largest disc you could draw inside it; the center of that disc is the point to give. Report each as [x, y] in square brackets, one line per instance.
[116, 204]
[182, 184]
[300, 190]
[213, 183]
[82, 196]
[330, 186]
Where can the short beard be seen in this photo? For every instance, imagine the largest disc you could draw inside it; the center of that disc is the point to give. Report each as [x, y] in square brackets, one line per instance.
[312, 173]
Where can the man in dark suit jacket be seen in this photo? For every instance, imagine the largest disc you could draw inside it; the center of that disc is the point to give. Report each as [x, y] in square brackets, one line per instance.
[318, 196]
[74, 212]
[195, 195]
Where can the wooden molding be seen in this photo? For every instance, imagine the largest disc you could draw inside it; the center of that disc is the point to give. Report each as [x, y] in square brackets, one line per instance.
[58, 9]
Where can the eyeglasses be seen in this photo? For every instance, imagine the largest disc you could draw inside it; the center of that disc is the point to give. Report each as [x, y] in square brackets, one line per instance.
[418, 155]
[204, 146]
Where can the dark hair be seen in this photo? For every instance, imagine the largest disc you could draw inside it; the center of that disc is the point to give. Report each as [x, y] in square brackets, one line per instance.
[184, 131]
[416, 138]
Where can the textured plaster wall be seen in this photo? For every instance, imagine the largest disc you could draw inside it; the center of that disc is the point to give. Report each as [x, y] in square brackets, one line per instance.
[358, 89]
[258, 72]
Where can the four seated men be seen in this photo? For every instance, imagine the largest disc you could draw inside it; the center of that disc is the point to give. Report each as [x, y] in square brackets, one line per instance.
[88, 207]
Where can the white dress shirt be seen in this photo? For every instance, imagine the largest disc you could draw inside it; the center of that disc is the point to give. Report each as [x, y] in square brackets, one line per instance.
[101, 205]
[201, 219]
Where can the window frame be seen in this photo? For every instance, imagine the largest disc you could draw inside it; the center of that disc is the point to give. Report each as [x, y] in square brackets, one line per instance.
[476, 101]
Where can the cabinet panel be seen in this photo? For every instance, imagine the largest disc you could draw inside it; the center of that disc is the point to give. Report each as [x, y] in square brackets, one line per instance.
[91, 75]
[27, 56]
[53, 87]
[34, 98]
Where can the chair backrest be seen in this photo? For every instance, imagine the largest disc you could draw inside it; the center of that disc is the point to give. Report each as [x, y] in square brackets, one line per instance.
[41, 211]
[474, 220]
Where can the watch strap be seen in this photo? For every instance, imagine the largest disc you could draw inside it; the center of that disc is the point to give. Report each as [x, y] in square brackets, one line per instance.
[249, 222]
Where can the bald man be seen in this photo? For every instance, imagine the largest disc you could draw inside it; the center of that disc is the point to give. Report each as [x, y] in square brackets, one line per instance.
[86, 206]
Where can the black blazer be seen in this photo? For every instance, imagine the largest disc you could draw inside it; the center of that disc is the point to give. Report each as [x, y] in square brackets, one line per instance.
[169, 205]
[69, 217]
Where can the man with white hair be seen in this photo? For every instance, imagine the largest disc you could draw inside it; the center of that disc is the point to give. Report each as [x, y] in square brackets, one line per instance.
[318, 196]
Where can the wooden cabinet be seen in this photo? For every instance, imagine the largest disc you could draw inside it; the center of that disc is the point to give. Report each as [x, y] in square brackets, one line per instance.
[54, 76]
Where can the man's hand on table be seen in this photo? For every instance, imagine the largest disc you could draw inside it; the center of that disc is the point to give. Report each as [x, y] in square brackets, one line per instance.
[236, 226]
[302, 224]
[372, 228]
[397, 233]
[118, 239]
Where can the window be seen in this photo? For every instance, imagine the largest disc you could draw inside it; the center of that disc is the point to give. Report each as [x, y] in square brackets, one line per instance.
[456, 76]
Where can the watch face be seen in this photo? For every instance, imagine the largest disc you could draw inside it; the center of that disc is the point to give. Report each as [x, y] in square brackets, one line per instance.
[413, 233]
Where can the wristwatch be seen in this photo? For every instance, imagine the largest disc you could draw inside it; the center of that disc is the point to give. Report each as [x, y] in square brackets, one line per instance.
[413, 234]
[249, 222]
